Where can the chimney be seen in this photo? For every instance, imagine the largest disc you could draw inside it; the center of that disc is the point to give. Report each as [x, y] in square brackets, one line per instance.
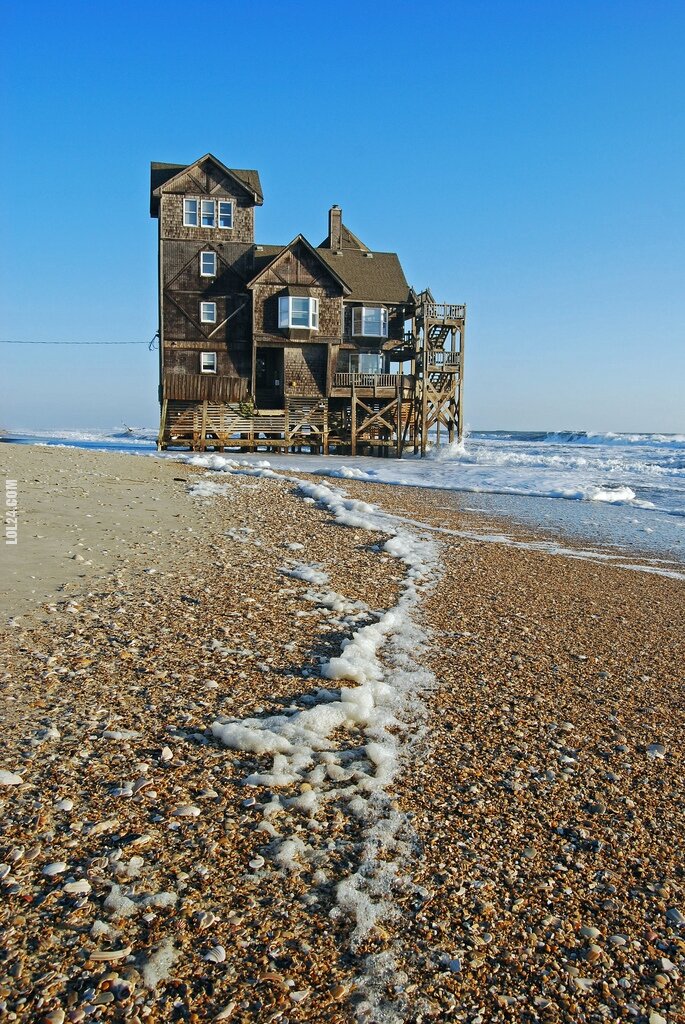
[335, 228]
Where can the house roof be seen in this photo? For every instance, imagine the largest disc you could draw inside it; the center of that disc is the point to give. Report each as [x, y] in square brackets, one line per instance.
[161, 174]
[318, 254]
[349, 241]
[376, 276]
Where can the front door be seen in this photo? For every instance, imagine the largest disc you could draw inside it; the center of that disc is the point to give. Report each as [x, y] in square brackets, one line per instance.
[269, 378]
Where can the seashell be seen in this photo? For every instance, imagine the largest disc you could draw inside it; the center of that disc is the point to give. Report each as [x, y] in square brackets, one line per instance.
[257, 862]
[67, 804]
[137, 841]
[186, 811]
[15, 854]
[216, 955]
[103, 955]
[55, 1017]
[656, 751]
[77, 888]
[226, 1011]
[9, 778]
[103, 826]
[299, 997]
[166, 754]
[54, 868]
[249, 801]
[139, 784]
[588, 932]
[4, 871]
[206, 918]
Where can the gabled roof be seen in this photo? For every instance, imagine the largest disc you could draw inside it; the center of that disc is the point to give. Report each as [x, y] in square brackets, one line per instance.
[164, 174]
[372, 276]
[349, 241]
[314, 252]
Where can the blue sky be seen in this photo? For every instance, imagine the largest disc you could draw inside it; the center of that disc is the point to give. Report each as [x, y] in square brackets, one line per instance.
[526, 158]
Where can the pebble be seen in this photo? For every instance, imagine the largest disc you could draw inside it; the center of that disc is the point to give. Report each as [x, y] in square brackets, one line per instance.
[56, 1017]
[673, 916]
[589, 932]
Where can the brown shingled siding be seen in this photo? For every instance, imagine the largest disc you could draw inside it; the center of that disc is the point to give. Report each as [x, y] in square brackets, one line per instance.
[305, 370]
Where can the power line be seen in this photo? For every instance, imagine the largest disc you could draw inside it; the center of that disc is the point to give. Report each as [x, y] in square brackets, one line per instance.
[16, 341]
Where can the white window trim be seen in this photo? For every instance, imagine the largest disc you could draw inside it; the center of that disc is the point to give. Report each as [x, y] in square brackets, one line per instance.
[207, 252]
[203, 368]
[202, 202]
[360, 313]
[285, 313]
[218, 214]
[203, 318]
[192, 199]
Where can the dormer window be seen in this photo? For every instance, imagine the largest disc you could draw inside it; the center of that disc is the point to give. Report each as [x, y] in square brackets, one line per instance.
[190, 213]
[207, 264]
[295, 311]
[207, 362]
[369, 322]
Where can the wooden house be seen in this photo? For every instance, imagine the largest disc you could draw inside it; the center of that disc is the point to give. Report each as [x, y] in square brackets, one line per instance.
[291, 346]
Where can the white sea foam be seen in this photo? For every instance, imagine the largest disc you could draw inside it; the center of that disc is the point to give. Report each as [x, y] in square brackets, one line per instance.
[346, 747]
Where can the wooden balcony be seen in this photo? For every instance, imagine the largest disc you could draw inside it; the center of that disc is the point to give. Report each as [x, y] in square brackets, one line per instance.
[382, 385]
[445, 311]
[445, 362]
[196, 387]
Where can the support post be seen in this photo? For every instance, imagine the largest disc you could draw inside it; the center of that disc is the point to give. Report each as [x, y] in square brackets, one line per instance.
[203, 428]
[162, 426]
[460, 401]
[353, 422]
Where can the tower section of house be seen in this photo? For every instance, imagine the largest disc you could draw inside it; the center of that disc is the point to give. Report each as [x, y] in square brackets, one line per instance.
[291, 346]
[205, 213]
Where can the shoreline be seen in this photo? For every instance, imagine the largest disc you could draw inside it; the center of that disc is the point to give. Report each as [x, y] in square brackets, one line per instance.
[531, 810]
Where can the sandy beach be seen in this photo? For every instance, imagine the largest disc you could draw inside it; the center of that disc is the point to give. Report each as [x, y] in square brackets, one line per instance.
[271, 754]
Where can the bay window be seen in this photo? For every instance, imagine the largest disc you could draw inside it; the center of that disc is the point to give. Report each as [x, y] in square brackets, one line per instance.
[297, 311]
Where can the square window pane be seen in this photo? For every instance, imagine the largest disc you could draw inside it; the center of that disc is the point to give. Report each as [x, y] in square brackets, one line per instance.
[190, 212]
[225, 215]
[208, 213]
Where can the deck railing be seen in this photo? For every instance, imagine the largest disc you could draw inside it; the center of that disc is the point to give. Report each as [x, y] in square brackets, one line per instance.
[445, 311]
[366, 380]
[439, 358]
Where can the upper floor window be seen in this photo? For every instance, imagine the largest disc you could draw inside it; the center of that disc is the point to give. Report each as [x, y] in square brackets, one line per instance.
[294, 311]
[369, 322]
[206, 213]
[190, 213]
[207, 264]
[207, 362]
[208, 312]
[225, 213]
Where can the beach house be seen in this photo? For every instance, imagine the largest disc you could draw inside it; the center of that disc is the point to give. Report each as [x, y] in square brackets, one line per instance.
[296, 346]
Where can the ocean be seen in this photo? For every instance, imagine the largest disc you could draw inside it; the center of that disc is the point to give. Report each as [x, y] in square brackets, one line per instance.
[619, 490]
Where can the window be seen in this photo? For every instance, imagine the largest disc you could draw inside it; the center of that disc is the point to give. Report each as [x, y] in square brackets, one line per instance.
[294, 311]
[207, 264]
[205, 212]
[208, 213]
[360, 362]
[225, 214]
[208, 312]
[190, 213]
[207, 362]
[369, 322]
